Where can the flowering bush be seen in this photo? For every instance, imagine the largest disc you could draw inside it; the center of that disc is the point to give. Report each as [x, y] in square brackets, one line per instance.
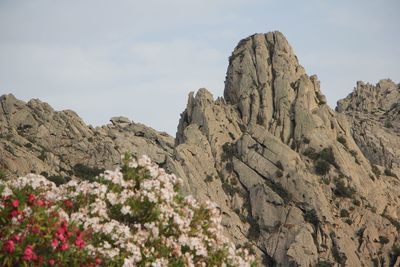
[133, 216]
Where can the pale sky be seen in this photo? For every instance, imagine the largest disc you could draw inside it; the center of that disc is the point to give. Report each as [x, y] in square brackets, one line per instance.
[140, 59]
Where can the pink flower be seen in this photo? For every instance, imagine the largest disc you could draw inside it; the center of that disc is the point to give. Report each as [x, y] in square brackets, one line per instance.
[64, 225]
[68, 203]
[54, 243]
[17, 238]
[52, 262]
[97, 261]
[68, 234]
[31, 198]
[60, 234]
[35, 229]
[28, 253]
[61, 230]
[40, 202]
[9, 246]
[64, 247]
[15, 213]
[61, 237]
[80, 243]
[15, 203]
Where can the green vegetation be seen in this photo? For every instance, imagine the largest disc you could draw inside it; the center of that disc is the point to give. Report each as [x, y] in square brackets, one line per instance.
[310, 153]
[280, 190]
[311, 217]
[28, 145]
[360, 232]
[45, 174]
[229, 188]
[322, 160]
[324, 263]
[2, 174]
[339, 257]
[356, 202]
[327, 155]
[47, 232]
[341, 139]
[375, 261]
[394, 254]
[254, 231]
[322, 167]
[383, 240]
[392, 221]
[86, 172]
[59, 179]
[348, 221]
[326, 180]
[209, 178]
[23, 127]
[279, 165]
[388, 124]
[342, 190]
[389, 172]
[242, 127]
[344, 213]
[353, 153]
[229, 151]
[260, 119]
[229, 167]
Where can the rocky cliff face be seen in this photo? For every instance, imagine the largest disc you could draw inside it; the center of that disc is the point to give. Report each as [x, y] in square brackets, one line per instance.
[35, 138]
[373, 112]
[300, 183]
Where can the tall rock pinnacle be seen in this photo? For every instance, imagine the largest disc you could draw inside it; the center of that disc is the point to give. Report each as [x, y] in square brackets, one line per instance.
[274, 155]
[265, 81]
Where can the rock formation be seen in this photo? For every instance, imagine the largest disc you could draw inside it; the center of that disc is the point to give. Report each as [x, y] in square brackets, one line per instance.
[36, 138]
[373, 112]
[300, 183]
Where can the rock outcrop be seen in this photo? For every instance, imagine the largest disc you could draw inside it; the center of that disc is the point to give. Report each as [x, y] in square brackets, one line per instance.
[300, 183]
[35, 138]
[271, 141]
[373, 112]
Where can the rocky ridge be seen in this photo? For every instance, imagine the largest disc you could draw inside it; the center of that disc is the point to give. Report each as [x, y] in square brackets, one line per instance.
[300, 183]
[373, 111]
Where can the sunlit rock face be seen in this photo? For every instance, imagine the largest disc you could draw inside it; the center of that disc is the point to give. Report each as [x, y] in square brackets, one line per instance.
[301, 183]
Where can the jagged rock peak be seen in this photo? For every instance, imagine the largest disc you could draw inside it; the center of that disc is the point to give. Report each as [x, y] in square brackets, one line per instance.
[266, 82]
[385, 95]
[255, 63]
[373, 111]
[262, 75]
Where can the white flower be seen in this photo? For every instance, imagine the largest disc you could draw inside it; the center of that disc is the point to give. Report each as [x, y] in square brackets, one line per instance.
[133, 239]
[6, 192]
[126, 210]
[144, 161]
[133, 164]
[27, 211]
[112, 198]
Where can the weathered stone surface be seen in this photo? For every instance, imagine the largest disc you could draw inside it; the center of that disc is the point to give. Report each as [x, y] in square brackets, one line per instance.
[36, 138]
[292, 178]
[373, 111]
[281, 114]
